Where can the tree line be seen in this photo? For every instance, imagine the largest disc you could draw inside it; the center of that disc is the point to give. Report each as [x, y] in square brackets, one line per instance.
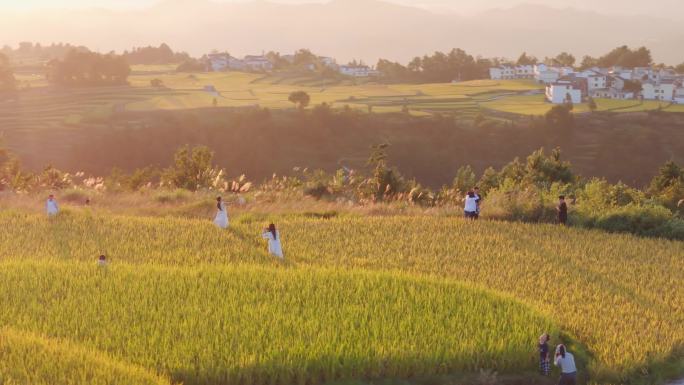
[29, 52]
[155, 55]
[459, 65]
[88, 69]
[7, 80]
[456, 64]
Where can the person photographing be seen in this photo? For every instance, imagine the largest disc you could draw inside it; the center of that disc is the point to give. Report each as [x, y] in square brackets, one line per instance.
[566, 362]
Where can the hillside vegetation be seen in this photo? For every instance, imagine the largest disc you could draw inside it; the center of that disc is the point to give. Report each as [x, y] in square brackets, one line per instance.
[479, 123]
[179, 293]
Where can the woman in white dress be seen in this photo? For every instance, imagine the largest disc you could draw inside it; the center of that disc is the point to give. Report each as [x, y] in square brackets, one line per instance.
[51, 206]
[221, 219]
[274, 245]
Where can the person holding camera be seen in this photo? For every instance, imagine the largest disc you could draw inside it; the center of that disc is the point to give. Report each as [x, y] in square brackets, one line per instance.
[478, 200]
[470, 210]
[566, 362]
[562, 210]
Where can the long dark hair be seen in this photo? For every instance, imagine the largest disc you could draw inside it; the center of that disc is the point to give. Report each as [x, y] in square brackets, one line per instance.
[561, 350]
[218, 203]
[272, 229]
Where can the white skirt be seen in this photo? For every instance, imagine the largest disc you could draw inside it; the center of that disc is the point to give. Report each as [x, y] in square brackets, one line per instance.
[221, 219]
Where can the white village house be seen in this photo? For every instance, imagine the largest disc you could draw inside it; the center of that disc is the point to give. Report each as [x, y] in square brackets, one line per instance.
[546, 75]
[506, 72]
[664, 91]
[563, 91]
[679, 95]
[223, 62]
[219, 61]
[358, 71]
[257, 63]
[328, 62]
[595, 80]
[565, 83]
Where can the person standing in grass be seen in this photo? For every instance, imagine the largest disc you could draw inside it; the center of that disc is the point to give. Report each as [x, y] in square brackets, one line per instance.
[51, 206]
[562, 210]
[566, 362]
[478, 199]
[544, 359]
[221, 219]
[102, 261]
[470, 208]
[273, 236]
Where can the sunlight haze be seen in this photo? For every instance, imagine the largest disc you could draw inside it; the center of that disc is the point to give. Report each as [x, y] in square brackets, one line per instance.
[665, 8]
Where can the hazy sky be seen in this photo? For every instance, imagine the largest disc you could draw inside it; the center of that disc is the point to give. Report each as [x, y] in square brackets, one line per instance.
[664, 8]
[188, 25]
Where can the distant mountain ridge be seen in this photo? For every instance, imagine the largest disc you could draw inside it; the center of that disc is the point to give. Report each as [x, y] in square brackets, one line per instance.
[347, 29]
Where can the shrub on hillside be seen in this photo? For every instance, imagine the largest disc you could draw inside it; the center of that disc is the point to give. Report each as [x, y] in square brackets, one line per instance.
[193, 169]
[74, 196]
[174, 196]
[641, 220]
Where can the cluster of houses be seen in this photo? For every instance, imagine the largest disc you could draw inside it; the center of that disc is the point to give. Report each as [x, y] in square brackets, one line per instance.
[218, 62]
[224, 62]
[565, 84]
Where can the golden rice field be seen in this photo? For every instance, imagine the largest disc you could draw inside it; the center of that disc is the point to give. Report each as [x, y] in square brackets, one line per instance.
[358, 298]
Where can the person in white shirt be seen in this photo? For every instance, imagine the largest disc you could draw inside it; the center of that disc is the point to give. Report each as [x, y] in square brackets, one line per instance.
[476, 190]
[221, 219]
[566, 362]
[470, 208]
[273, 236]
[51, 206]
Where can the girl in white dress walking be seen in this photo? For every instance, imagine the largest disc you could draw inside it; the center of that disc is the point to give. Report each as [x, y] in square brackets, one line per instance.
[221, 219]
[273, 236]
[51, 206]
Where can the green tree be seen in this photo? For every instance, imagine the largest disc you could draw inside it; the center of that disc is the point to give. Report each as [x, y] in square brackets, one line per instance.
[626, 57]
[588, 62]
[544, 170]
[13, 176]
[304, 57]
[565, 59]
[465, 179]
[669, 174]
[525, 59]
[514, 171]
[633, 86]
[386, 181]
[53, 179]
[568, 101]
[592, 104]
[668, 187]
[490, 180]
[300, 98]
[7, 81]
[80, 68]
[192, 169]
[680, 69]
[560, 117]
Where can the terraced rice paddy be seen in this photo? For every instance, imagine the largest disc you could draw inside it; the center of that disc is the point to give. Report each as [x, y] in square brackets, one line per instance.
[357, 298]
[40, 107]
